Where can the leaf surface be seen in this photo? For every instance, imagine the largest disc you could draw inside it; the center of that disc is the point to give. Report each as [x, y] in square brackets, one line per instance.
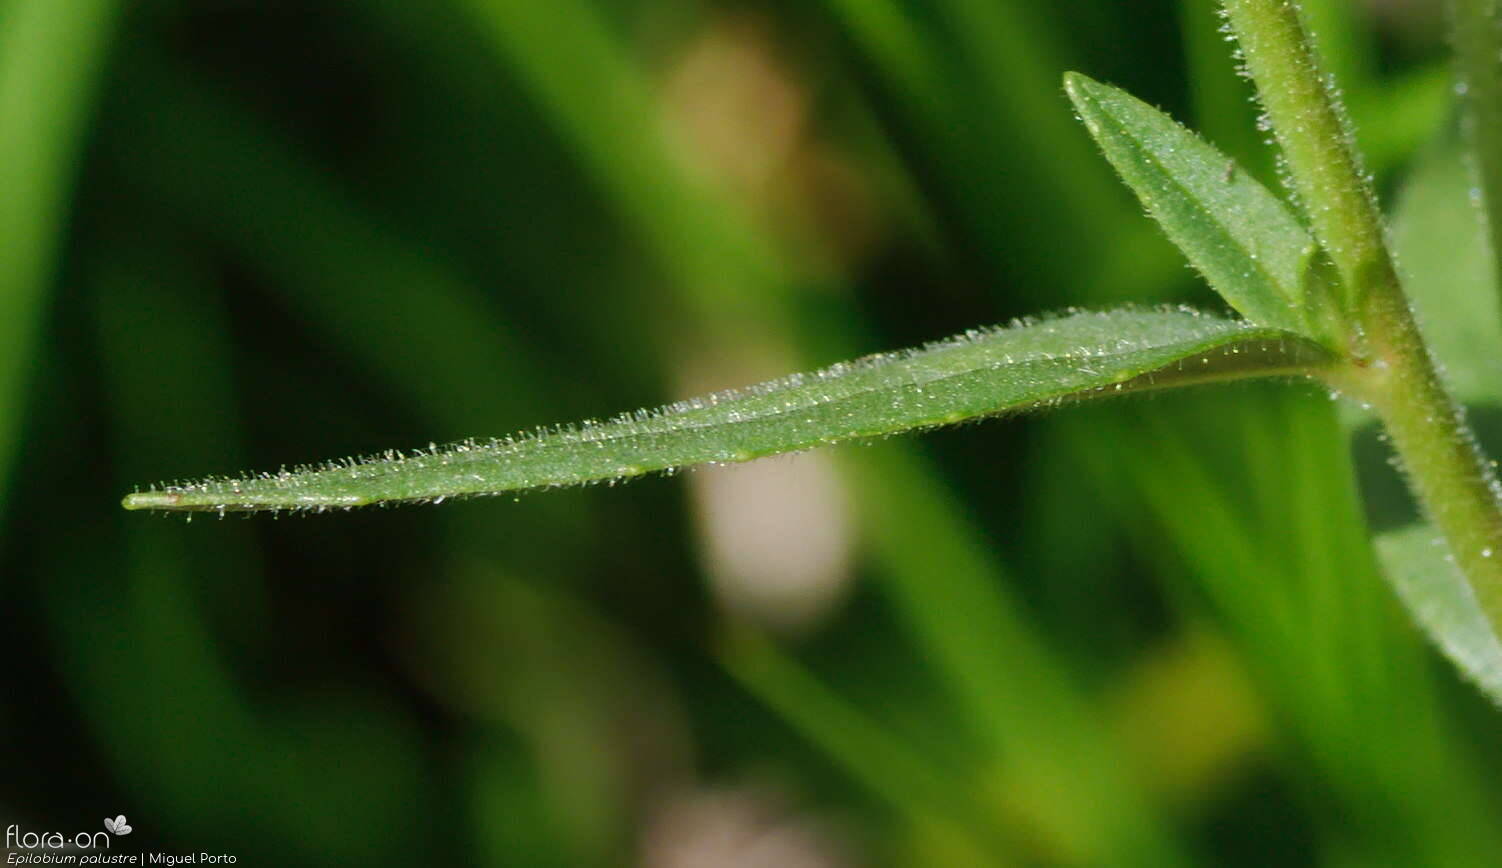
[980, 373]
[1418, 565]
[1242, 238]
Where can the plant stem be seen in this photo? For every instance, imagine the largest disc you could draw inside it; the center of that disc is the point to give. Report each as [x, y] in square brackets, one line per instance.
[1456, 483]
[1390, 366]
[1478, 55]
[1315, 138]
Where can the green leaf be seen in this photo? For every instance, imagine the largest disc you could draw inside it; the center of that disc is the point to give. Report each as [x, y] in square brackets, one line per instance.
[980, 373]
[1419, 566]
[913, 783]
[1242, 238]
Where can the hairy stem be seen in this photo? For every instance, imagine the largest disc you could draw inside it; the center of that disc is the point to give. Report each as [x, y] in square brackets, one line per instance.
[1478, 53]
[1454, 480]
[1311, 128]
[1390, 368]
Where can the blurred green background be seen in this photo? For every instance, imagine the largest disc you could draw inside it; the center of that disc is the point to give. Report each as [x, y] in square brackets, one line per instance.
[251, 234]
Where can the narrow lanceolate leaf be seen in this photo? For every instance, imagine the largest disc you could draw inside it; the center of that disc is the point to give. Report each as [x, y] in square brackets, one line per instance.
[983, 372]
[1242, 238]
[1420, 567]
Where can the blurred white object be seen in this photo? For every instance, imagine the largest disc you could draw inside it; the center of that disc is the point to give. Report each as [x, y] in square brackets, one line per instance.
[776, 537]
[737, 828]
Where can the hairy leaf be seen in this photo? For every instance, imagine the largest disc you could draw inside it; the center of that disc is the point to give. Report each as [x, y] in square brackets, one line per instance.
[1418, 564]
[980, 373]
[1242, 238]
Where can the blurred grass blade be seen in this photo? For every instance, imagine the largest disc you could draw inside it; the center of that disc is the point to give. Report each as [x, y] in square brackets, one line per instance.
[568, 59]
[1476, 28]
[959, 96]
[1317, 628]
[1218, 94]
[368, 290]
[1035, 726]
[1347, 47]
[977, 374]
[1244, 240]
[50, 53]
[150, 666]
[907, 780]
[1010, 53]
[1419, 565]
[1395, 120]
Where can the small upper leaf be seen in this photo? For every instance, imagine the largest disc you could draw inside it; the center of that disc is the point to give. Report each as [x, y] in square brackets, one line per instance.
[1419, 566]
[980, 373]
[1242, 238]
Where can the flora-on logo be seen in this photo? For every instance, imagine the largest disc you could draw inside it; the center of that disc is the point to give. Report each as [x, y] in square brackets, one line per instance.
[117, 826]
[17, 838]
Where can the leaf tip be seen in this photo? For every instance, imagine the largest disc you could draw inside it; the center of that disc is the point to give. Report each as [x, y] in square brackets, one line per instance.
[1075, 84]
[151, 500]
